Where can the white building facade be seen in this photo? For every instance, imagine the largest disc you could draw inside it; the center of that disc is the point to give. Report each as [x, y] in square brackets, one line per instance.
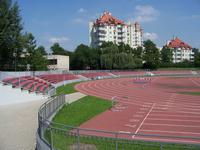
[181, 50]
[110, 29]
[58, 62]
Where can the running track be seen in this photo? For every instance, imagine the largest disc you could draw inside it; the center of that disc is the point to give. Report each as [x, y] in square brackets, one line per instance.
[154, 107]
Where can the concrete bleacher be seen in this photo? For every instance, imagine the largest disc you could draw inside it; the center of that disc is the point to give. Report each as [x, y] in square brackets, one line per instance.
[31, 84]
[127, 73]
[93, 75]
[56, 78]
[11, 95]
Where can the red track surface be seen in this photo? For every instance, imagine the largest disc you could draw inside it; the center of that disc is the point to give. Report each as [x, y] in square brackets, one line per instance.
[154, 107]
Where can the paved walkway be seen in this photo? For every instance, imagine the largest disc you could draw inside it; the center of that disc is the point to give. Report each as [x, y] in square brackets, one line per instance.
[73, 97]
[18, 124]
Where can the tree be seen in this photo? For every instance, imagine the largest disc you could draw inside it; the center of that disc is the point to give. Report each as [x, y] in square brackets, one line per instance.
[138, 52]
[109, 51]
[151, 55]
[38, 61]
[32, 55]
[10, 33]
[41, 49]
[81, 57]
[196, 57]
[166, 56]
[58, 50]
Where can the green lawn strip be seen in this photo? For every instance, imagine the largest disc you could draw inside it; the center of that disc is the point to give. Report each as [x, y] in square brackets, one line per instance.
[82, 110]
[174, 68]
[63, 141]
[190, 93]
[76, 113]
[66, 89]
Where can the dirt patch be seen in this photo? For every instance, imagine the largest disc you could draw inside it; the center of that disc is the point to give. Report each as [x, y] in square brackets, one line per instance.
[83, 147]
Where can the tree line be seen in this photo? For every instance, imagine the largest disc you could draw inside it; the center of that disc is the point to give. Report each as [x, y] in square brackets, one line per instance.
[19, 51]
[113, 56]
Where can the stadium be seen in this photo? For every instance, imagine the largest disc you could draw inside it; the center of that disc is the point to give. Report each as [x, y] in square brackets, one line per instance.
[94, 75]
[139, 109]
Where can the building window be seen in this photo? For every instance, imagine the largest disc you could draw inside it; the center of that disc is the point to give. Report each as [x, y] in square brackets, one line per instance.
[52, 61]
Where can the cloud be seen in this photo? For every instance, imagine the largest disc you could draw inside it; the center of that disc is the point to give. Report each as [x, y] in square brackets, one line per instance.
[145, 13]
[58, 39]
[150, 36]
[81, 10]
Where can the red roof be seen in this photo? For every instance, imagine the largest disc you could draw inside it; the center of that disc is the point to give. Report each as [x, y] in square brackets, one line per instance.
[107, 18]
[177, 43]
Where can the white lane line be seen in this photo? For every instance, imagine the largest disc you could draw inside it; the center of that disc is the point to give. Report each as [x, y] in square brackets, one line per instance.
[143, 108]
[195, 82]
[160, 131]
[182, 120]
[133, 120]
[137, 115]
[187, 112]
[180, 108]
[196, 105]
[140, 112]
[124, 132]
[171, 125]
[129, 125]
[171, 115]
[144, 120]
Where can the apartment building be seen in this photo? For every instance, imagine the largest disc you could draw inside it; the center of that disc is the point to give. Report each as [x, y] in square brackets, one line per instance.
[110, 29]
[181, 50]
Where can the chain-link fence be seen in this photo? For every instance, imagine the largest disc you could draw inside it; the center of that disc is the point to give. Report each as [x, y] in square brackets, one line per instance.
[55, 136]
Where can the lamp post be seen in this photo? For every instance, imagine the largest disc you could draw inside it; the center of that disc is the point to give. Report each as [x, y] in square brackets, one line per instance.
[15, 56]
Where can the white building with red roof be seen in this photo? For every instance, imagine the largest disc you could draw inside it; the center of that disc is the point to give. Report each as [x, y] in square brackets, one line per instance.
[181, 50]
[110, 29]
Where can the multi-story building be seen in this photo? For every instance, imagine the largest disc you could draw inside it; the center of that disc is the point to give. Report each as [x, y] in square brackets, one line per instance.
[181, 50]
[110, 29]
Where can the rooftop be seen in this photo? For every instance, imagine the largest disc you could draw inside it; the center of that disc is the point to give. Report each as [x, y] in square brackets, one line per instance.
[177, 43]
[107, 18]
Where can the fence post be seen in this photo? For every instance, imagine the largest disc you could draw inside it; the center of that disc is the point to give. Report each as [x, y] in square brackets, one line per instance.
[51, 139]
[116, 141]
[78, 139]
[161, 146]
[45, 111]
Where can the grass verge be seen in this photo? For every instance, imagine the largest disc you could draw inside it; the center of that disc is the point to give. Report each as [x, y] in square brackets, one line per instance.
[190, 93]
[66, 89]
[174, 68]
[82, 110]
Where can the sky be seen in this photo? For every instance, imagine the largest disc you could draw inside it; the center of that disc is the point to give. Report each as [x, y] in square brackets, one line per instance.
[67, 21]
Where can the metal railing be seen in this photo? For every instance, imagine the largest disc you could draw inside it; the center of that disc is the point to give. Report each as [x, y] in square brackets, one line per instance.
[55, 136]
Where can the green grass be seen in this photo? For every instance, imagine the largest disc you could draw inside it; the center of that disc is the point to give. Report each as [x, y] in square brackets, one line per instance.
[78, 112]
[64, 140]
[174, 68]
[66, 89]
[191, 93]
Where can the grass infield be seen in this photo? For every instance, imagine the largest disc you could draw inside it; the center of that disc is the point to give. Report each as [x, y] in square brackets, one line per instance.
[191, 93]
